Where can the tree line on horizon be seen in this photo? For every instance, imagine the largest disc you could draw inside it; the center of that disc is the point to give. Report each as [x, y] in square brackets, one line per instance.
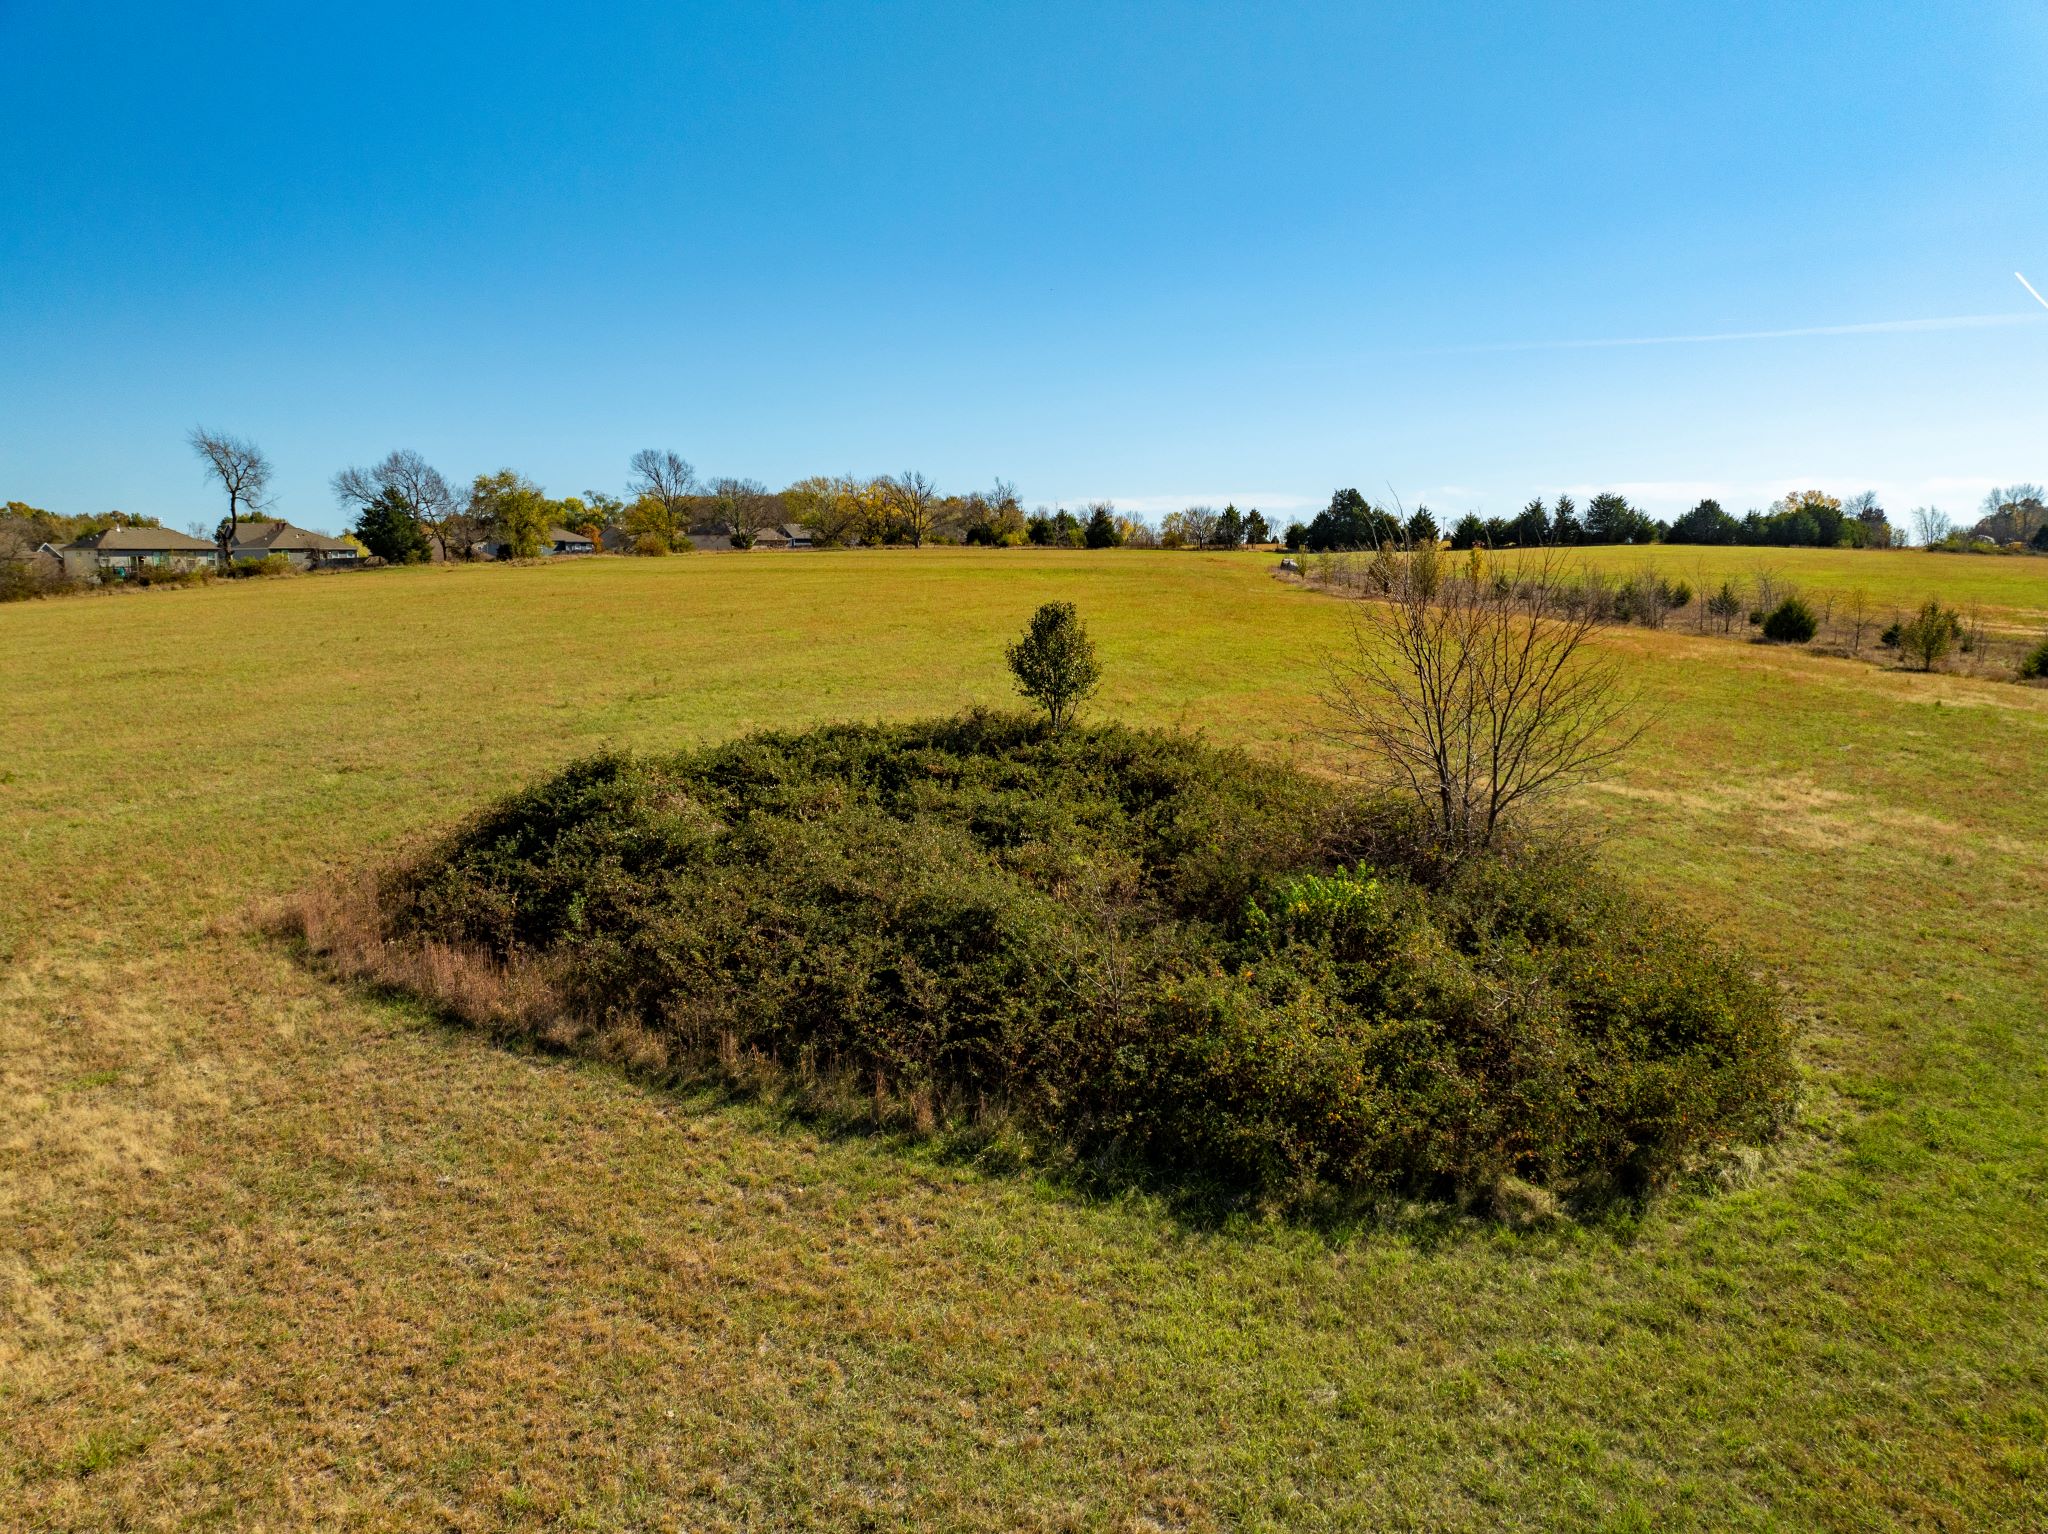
[405, 510]
[403, 503]
[2011, 515]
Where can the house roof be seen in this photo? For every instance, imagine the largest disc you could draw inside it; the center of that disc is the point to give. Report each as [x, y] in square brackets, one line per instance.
[277, 537]
[142, 540]
[564, 535]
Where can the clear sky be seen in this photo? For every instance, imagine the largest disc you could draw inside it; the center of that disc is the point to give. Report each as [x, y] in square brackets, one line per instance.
[1161, 254]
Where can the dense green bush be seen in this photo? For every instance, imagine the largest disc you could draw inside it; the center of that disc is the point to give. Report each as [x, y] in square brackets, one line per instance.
[2034, 664]
[1791, 622]
[1129, 942]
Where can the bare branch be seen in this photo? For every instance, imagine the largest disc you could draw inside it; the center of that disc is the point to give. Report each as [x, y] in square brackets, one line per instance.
[1475, 692]
[243, 472]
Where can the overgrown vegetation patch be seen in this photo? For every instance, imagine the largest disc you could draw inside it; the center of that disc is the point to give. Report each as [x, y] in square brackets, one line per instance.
[1124, 943]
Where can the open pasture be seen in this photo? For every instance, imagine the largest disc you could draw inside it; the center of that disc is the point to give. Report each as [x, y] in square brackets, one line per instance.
[2009, 589]
[284, 1254]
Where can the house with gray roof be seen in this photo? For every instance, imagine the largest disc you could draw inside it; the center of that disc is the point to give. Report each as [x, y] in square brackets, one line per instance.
[786, 535]
[119, 552]
[307, 550]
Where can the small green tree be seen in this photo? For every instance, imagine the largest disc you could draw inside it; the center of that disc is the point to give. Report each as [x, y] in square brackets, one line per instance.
[1725, 606]
[1103, 532]
[1791, 622]
[388, 529]
[1929, 634]
[1054, 662]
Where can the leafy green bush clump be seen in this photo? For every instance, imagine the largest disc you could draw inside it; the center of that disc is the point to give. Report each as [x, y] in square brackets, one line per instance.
[1128, 942]
[2034, 664]
[1791, 622]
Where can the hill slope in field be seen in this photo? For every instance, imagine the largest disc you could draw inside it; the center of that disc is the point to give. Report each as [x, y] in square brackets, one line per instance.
[282, 1252]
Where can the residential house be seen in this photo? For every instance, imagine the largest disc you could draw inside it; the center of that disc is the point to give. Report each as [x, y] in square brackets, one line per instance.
[557, 540]
[120, 551]
[306, 550]
[786, 535]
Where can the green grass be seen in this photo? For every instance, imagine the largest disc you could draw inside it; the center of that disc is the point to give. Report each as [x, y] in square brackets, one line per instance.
[2012, 588]
[309, 1258]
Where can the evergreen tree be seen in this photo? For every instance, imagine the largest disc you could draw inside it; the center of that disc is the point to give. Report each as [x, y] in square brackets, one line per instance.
[1610, 519]
[1103, 533]
[1351, 522]
[1705, 523]
[1421, 527]
[1532, 528]
[1230, 528]
[388, 529]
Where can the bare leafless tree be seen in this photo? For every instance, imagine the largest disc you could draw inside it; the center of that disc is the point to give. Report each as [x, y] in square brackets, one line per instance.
[466, 526]
[1856, 618]
[910, 497]
[243, 472]
[743, 507]
[1480, 697]
[666, 477]
[418, 483]
[1931, 525]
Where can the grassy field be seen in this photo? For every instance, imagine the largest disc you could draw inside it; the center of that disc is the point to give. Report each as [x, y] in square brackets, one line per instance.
[2012, 589]
[282, 1255]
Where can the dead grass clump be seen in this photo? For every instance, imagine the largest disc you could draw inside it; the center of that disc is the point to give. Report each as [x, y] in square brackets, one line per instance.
[513, 997]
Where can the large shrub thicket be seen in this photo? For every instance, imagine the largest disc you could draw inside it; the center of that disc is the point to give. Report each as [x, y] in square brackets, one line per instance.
[1126, 942]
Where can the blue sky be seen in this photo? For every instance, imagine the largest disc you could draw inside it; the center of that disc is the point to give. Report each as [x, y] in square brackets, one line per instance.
[1161, 254]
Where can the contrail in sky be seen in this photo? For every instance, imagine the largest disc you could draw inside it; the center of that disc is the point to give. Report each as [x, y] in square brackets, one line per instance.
[2043, 302]
[1870, 327]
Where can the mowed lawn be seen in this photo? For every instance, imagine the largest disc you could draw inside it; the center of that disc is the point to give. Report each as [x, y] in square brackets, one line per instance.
[277, 1254]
